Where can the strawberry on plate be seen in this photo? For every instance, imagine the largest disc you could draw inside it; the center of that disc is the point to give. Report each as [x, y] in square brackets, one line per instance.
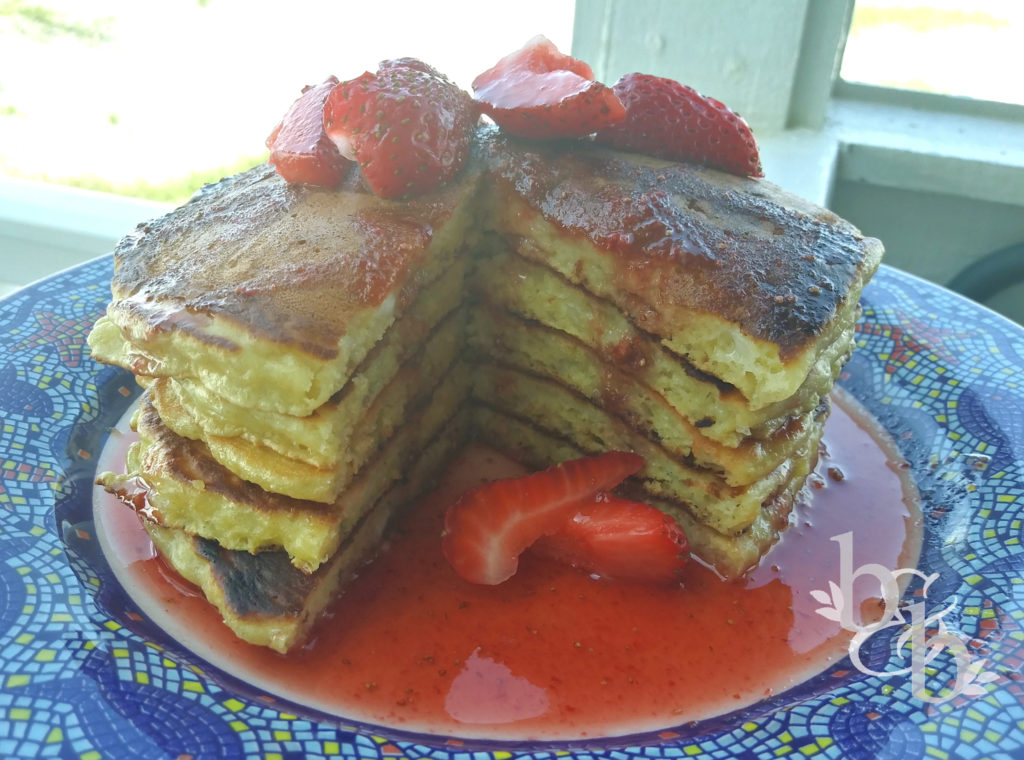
[487, 528]
[300, 150]
[620, 539]
[541, 93]
[407, 126]
[669, 120]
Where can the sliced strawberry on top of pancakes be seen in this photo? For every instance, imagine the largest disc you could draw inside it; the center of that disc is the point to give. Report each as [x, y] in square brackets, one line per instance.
[407, 126]
[670, 120]
[300, 149]
[541, 93]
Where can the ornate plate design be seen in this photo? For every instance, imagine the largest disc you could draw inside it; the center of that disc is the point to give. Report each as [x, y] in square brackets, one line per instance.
[84, 674]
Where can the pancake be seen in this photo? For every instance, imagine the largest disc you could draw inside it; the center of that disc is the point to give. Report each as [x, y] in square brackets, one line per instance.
[175, 482]
[556, 410]
[353, 440]
[314, 356]
[537, 293]
[747, 282]
[263, 597]
[546, 352]
[730, 555]
[271, 294]
[318, 439]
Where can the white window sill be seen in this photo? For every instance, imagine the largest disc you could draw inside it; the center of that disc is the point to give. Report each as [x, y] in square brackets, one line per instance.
[802, 161]
[901, 146]
[46, 228]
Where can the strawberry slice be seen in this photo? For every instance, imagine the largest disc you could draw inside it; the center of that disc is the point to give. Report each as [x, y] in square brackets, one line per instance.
[407, 125]
[620, 539]
[541, 93]
[539, 55]
[669, 120]
[487, 528]
[300, 150]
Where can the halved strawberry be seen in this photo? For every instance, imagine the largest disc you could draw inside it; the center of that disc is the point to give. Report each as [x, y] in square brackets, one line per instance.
[487, 528]
[300, 150]
[620, 539]
[407, 126]
[541, 93]
[539, 55]
[669, 120]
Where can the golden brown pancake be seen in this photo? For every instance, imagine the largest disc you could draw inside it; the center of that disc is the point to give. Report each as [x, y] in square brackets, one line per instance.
[313, 355]
[730, 554]
[557, 410]
[544, 352]
[539, 295]
[263, 597]
[270, 294]
[178, 485]
[746, 281]
[357, 429]
[320, 438]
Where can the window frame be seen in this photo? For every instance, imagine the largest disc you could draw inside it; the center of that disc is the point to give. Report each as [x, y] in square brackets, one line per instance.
[827, 129]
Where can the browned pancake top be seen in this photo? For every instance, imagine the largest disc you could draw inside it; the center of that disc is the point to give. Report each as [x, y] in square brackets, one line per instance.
[292, 263]
[685, 238]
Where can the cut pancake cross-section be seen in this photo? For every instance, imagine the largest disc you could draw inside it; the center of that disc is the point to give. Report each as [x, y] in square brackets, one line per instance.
[313, 358]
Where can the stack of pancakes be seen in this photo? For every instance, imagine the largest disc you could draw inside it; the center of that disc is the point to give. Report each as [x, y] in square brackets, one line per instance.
[301, 353]
[696, 318]
[313, 357]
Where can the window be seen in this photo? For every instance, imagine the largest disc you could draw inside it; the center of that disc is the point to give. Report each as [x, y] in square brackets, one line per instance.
[952, 47]
[155, 98]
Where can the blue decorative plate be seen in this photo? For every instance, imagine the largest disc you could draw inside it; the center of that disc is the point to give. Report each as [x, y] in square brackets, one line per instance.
[85, 675]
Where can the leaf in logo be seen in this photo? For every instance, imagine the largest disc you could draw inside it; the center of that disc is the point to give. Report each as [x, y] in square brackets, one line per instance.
[829, 613]
[837, 595]
[821, 596]
[977, 677]
[833, 602]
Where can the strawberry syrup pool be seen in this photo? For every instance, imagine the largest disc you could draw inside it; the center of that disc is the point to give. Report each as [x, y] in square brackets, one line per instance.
[553, 653]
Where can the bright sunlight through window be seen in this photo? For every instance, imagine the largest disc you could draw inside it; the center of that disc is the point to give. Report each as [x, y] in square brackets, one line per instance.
[955, 47]
[155, 98]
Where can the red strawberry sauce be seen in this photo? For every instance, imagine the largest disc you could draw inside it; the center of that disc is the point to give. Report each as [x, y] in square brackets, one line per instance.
[554, 653]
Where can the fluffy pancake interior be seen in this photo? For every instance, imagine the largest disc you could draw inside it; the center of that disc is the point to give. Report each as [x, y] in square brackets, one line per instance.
[730, 554]
[552, 408]
[319, 438]
[262, 597]
[354, 441]
[186, 489]
[545, 352]
[539, 294]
